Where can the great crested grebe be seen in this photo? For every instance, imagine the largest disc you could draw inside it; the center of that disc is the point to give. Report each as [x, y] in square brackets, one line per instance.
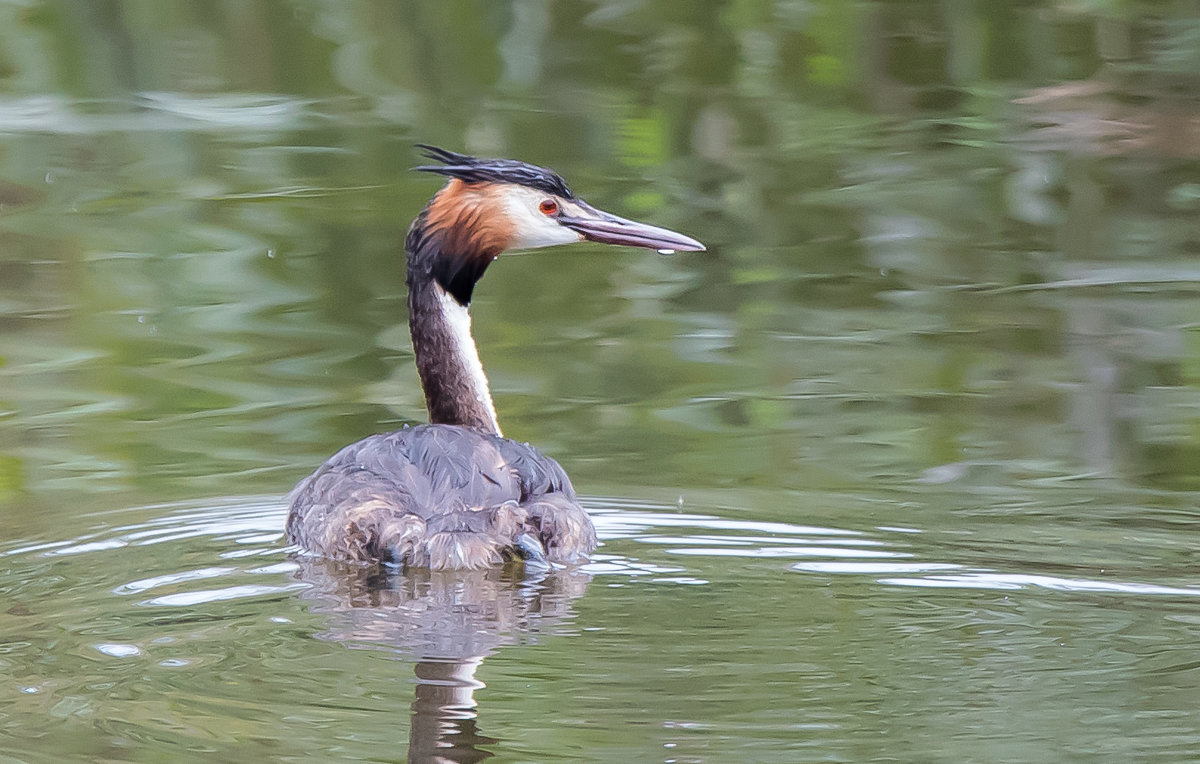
[455, 493]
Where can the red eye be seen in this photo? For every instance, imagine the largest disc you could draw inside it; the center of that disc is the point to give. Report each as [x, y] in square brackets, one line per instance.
[548, 206]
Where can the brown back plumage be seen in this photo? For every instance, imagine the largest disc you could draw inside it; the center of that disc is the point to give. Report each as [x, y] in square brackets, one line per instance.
[439, 496]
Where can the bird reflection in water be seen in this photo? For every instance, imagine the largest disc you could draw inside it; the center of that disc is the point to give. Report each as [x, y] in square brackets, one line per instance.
[448, 621]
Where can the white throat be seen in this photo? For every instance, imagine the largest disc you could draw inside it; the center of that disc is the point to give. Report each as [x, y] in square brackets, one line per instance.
[459, 322]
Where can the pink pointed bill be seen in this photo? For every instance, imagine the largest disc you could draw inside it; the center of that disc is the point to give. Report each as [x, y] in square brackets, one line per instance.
[605, 228]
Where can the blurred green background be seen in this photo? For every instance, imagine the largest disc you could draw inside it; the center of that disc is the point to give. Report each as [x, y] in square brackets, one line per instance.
[938, 233]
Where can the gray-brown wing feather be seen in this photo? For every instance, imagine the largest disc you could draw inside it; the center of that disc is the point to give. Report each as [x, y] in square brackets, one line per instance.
[438, 496]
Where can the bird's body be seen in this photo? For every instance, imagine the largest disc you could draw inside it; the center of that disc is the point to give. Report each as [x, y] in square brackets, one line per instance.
[440, 496]
[456, 493]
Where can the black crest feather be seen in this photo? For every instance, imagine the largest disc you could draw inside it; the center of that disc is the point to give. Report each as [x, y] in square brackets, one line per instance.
[475, 170]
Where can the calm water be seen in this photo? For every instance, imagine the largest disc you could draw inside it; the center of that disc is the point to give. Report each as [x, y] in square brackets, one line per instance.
[904, 469]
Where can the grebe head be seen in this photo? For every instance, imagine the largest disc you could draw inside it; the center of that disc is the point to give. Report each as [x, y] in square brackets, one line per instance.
[492, 205]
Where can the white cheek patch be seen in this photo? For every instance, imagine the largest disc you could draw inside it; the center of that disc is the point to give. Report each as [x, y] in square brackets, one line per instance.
[533, 228]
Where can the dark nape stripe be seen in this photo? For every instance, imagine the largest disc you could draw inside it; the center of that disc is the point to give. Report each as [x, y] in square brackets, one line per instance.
[458, 274]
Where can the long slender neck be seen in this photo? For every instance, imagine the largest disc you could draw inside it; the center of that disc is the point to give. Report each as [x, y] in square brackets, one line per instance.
[456, 390]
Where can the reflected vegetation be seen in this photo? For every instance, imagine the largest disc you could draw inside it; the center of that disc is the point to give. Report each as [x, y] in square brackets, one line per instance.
[986, 225]
[911, 454]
